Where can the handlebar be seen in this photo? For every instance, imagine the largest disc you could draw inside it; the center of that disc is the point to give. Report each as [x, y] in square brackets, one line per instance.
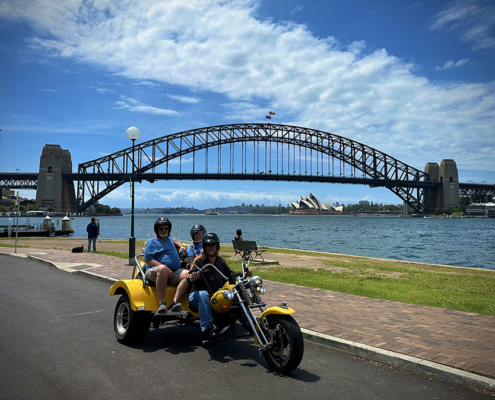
[245, 269]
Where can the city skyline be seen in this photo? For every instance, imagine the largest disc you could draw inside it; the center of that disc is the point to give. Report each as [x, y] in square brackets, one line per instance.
[414, 80]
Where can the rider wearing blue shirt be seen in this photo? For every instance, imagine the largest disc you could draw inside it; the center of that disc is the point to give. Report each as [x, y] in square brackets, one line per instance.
[163, 251]
[195, 248]
[163, 265]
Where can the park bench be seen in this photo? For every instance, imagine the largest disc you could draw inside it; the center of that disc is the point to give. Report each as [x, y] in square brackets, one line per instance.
[246, 247]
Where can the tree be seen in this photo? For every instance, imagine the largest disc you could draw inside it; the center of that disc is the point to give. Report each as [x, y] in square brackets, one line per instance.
[50, 209]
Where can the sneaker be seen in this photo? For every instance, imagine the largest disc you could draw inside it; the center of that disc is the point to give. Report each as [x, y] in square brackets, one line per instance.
[175, 307]
[162, 309]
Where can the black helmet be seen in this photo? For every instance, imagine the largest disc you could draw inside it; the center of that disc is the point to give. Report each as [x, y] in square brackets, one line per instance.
[161, 222]
[211, 238]
[197, 228]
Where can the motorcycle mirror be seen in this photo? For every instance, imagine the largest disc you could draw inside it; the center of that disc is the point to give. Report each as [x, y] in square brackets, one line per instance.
[245, 268]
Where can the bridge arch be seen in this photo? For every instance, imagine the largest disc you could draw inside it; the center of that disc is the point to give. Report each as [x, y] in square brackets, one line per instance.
[260, 151]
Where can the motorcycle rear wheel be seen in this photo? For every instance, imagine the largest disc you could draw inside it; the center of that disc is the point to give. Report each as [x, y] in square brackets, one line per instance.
[288, 345]
[130, 327]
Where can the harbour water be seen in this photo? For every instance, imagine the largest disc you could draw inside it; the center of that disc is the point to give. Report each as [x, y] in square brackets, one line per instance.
[451, 241]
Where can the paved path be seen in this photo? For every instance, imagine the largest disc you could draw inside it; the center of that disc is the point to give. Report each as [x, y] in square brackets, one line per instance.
[462, 340]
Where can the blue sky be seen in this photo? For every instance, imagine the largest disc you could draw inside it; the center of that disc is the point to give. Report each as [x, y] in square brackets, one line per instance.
[412, 79]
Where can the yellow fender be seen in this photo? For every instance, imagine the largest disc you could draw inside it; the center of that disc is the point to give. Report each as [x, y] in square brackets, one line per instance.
[277, 310]
[142, 299]
[274, 310]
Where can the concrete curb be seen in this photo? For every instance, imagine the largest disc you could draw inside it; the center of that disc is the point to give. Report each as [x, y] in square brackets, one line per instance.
[98, 277]
[375, 353]
[401, 360]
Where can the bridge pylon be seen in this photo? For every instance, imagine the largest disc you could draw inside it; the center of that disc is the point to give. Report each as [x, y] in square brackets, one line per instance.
[446, 194]
[53, 189]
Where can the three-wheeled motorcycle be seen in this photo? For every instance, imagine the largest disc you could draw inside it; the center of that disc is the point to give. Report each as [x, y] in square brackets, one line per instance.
[273, 329]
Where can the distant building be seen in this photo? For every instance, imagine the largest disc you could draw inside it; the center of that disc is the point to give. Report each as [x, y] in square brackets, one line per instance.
[364, 203]
[312, 205]
[486, 210]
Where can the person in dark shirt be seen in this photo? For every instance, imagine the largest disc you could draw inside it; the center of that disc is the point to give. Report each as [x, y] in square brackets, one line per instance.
[205, 284]
[93, 230]
[238, 235]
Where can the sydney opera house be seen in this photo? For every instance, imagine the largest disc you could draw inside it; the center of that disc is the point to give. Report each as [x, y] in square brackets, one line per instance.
[312, 205]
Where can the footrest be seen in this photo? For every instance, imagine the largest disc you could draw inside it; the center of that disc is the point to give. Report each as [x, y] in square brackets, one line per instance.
[173, 314]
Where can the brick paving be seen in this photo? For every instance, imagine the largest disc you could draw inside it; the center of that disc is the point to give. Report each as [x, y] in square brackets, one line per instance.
[453, 338]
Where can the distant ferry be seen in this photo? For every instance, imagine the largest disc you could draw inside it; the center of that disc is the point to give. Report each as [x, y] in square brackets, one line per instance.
[210, 212]
[36, 213]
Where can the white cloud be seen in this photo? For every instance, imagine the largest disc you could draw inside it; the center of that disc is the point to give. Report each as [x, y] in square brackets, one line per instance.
[104, 90]
[126, 103]
[184, 99]
[451, 64]
[220, 46]
[182, 161]
[473, 20]
[297, 9]
[148, 83]
[212, 197]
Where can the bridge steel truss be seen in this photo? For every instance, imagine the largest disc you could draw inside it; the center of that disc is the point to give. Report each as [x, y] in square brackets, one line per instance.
[476, 190]
[290, 161]
[23, 180]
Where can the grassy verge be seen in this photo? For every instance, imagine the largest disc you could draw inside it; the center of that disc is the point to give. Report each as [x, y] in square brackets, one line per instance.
[11, 245]
[470, 290]
[125, 256]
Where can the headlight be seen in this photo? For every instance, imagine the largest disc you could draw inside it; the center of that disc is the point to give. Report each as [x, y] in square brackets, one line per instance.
[256, 281]
[261, 290]
[228, 295]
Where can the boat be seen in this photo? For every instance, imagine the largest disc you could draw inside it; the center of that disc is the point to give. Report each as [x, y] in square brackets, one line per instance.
[213, 212]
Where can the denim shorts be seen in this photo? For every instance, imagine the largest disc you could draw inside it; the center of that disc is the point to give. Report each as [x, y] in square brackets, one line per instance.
[150, 274]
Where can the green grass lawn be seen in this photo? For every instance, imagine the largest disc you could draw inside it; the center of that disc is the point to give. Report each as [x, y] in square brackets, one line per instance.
[125, 256]
[470, 290]
[11, 245]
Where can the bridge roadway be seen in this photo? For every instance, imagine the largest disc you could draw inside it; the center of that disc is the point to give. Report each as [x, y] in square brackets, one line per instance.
[28, 180]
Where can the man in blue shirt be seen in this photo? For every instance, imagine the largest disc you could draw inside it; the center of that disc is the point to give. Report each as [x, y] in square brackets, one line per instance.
[163, 265]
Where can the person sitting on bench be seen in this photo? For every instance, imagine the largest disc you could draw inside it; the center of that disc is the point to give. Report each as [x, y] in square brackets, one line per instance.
[238, 235]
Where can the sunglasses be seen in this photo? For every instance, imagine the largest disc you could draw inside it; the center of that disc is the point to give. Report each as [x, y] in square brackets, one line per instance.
[163, 228]
[210, 244]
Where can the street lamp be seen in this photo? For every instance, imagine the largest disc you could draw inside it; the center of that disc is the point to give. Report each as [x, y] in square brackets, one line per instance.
[132, 133]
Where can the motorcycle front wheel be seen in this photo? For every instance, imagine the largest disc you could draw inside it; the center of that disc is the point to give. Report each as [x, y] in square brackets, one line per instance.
[287, 350]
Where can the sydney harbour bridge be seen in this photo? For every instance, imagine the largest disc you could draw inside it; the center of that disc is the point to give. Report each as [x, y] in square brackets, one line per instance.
[242, 152]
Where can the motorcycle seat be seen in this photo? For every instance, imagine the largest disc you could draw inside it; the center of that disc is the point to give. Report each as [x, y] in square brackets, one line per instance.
[142, 278]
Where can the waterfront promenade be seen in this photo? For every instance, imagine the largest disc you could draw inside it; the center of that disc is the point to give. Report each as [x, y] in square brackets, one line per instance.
[398, 333]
